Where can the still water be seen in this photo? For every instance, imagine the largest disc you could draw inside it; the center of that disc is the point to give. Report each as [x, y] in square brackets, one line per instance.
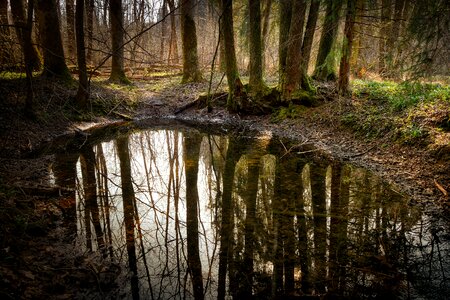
[190, 215]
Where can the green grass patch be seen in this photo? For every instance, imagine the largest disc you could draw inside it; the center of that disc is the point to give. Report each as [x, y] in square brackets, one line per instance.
[401, 96]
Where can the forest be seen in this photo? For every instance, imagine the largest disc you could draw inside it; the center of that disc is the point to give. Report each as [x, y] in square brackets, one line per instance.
[203, 149]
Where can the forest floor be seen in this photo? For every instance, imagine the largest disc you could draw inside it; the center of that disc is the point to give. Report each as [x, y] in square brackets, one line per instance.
[37, 258]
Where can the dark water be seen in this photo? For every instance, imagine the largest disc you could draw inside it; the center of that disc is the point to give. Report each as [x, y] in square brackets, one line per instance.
[188, 215]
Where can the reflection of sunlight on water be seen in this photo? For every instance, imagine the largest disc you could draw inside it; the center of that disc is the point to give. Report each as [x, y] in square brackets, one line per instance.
[373, 235]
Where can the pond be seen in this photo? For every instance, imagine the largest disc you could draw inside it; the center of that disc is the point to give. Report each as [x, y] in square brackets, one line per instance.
[185, 214]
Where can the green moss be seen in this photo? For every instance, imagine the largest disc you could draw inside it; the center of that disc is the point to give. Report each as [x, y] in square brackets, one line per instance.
[292, 111]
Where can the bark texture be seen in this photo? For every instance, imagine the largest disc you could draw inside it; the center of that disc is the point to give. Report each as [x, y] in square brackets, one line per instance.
[191, 71]
[49, 26]
[116, 20]
[83, 87]
[255, 80]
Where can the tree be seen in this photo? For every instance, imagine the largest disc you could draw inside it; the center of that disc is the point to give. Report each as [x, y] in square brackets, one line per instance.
[385, 23]
[309, 32]
[234, 82]
[325, 65]
[90, 8]
[70, 20]
[294, 56]
[344, 69]
[54, 62]
[173, 46]
[255, 81]
[29, 58]
[191, 71]
[5, 54]
[117, 31]
[285, 23]
[83, 85]
[18, 16]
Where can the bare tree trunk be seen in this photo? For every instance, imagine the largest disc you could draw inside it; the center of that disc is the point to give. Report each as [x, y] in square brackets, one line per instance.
[90, 8]
[309, 33]
[392, 43]
[117, 65]
[70, 19]
[18, 16]
[83, 85]
[294, 56]
[256, 83]
[344, 69]
[191, 71]
[28, 57]
[49, 26]
[163, 31]
[173, 47]
[265, 31]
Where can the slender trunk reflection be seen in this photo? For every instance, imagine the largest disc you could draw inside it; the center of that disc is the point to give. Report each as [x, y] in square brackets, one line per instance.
[192, 143]
[87, 161]
[226, 228]
[317, 174]
[128, 198]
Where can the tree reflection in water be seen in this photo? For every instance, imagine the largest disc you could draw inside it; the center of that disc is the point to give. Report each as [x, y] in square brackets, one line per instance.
[234, 217]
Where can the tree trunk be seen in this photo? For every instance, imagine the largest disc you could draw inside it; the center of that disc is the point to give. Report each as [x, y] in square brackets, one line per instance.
[163, 31]
[265, 31]
[18, 16]
[384, 29]
[70, 19]
[5, 35]
[344, 69]
[394, 38]
[192, 144]
[83, 85]
[325, 65]
[294, 56]
[191, 71]
[54, 62]
[173, 45]
[309, 33]
[255, 81]
[28, 57]
[234, 82]
[116, 20]
[90, 8]
[285, 22]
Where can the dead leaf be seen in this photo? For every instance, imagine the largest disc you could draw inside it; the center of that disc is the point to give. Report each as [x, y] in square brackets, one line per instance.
[441, 188]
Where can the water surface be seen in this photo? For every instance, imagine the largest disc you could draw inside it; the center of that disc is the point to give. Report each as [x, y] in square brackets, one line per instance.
[190, 215]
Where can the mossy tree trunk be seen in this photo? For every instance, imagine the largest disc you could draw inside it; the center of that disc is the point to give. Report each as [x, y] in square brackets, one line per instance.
[256, 77]
[234, 82]
[191, 71]
[49, 27]
[309, 32]
[393, 39]
[83, 85]
[325, 65]
[285, 10]
[70, 20]
[344, 69]
[265, 30]
[18, 16]
[294, 56]
[117, 63]
[385, 21]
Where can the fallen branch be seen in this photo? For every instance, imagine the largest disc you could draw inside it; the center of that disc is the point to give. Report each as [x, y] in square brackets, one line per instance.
[441, 188]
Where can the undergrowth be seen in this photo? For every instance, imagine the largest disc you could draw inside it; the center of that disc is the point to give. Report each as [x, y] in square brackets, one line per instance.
[409, 112]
